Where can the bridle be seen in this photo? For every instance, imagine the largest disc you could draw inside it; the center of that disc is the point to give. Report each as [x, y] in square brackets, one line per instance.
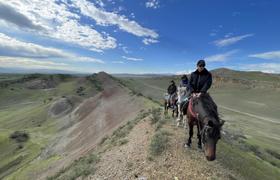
[203, 131]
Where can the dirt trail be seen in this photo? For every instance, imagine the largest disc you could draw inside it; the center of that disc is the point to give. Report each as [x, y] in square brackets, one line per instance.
[130, 161]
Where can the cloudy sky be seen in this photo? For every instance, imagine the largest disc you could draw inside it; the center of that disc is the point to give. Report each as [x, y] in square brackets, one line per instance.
[140, 36]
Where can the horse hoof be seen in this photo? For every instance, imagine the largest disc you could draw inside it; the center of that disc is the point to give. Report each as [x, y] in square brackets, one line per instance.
[187, 145]
[199, 147]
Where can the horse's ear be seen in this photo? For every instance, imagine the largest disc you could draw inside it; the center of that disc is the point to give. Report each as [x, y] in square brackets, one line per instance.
[222, 122]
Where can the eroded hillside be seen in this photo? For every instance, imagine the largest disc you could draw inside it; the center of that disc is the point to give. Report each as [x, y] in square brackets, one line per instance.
[64, 120]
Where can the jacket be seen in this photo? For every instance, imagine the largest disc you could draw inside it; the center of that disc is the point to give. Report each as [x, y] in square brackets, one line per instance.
[200, 81]
[172, 89]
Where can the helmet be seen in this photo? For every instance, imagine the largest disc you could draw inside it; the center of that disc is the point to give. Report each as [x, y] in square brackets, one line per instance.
[184, 77]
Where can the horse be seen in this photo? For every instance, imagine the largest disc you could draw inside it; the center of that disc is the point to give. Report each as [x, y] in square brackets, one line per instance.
[171, 102]
[183, 95]
[202, 111]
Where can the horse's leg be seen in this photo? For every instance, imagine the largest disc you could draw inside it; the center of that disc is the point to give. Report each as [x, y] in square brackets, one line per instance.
[190, 134]
[165, 108]
[179, 116]
[199, 136]
[185, 117]
[177, 111]
[185, 121]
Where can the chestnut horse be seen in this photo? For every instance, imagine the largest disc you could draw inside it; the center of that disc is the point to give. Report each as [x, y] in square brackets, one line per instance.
[202, 111]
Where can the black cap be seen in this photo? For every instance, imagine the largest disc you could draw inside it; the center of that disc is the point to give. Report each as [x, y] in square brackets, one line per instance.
[172, 82]
[201, 63]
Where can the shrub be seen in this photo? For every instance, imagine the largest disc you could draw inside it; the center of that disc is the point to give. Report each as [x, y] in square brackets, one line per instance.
[80, 168]
[159, 143]
[273, 153]
[155, 115]
[20, 136]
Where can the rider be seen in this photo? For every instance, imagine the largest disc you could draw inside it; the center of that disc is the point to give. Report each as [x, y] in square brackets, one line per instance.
[184, 81]
[201, 79]
[171, 90]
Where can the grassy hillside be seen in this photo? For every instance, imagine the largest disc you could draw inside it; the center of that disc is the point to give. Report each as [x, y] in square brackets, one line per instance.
[25, 102]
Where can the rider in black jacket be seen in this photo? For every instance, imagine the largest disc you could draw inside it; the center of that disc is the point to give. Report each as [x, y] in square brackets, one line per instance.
[201, 79]
[171, 90]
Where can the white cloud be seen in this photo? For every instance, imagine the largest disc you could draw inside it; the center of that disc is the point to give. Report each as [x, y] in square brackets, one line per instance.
[132, 58]
[231, 40]
[105, 18]
[87, 59]
[27, 63]
[57, 21]
[71, 31]
[12, 47]
[263, 67]
[11, 15]
[124, 48]
[14, 62]
[100, 3]
[213, 34]
[132, 15]
[228, 35]
[184, 72]
[148, 41]
[220, 57]
[61, 20]
[267, 55]
[152, 4]
[117, 62]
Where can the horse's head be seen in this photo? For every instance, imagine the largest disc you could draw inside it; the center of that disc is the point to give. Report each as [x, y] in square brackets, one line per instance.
[182, 93]
[210, 136]
[210, 124]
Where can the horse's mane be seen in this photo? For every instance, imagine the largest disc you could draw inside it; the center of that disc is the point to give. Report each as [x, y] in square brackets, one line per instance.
[209, 106]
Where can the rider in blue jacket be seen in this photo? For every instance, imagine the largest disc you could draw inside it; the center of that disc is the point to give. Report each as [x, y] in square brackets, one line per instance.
[184, 81]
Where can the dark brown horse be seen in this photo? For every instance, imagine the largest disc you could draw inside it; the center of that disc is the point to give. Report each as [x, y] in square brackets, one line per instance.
[202, 111]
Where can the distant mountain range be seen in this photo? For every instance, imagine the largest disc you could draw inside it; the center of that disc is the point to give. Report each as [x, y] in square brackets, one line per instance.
[219, 71]
[141, 75]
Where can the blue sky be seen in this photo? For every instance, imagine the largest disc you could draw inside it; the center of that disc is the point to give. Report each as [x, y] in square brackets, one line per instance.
[140, 36]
